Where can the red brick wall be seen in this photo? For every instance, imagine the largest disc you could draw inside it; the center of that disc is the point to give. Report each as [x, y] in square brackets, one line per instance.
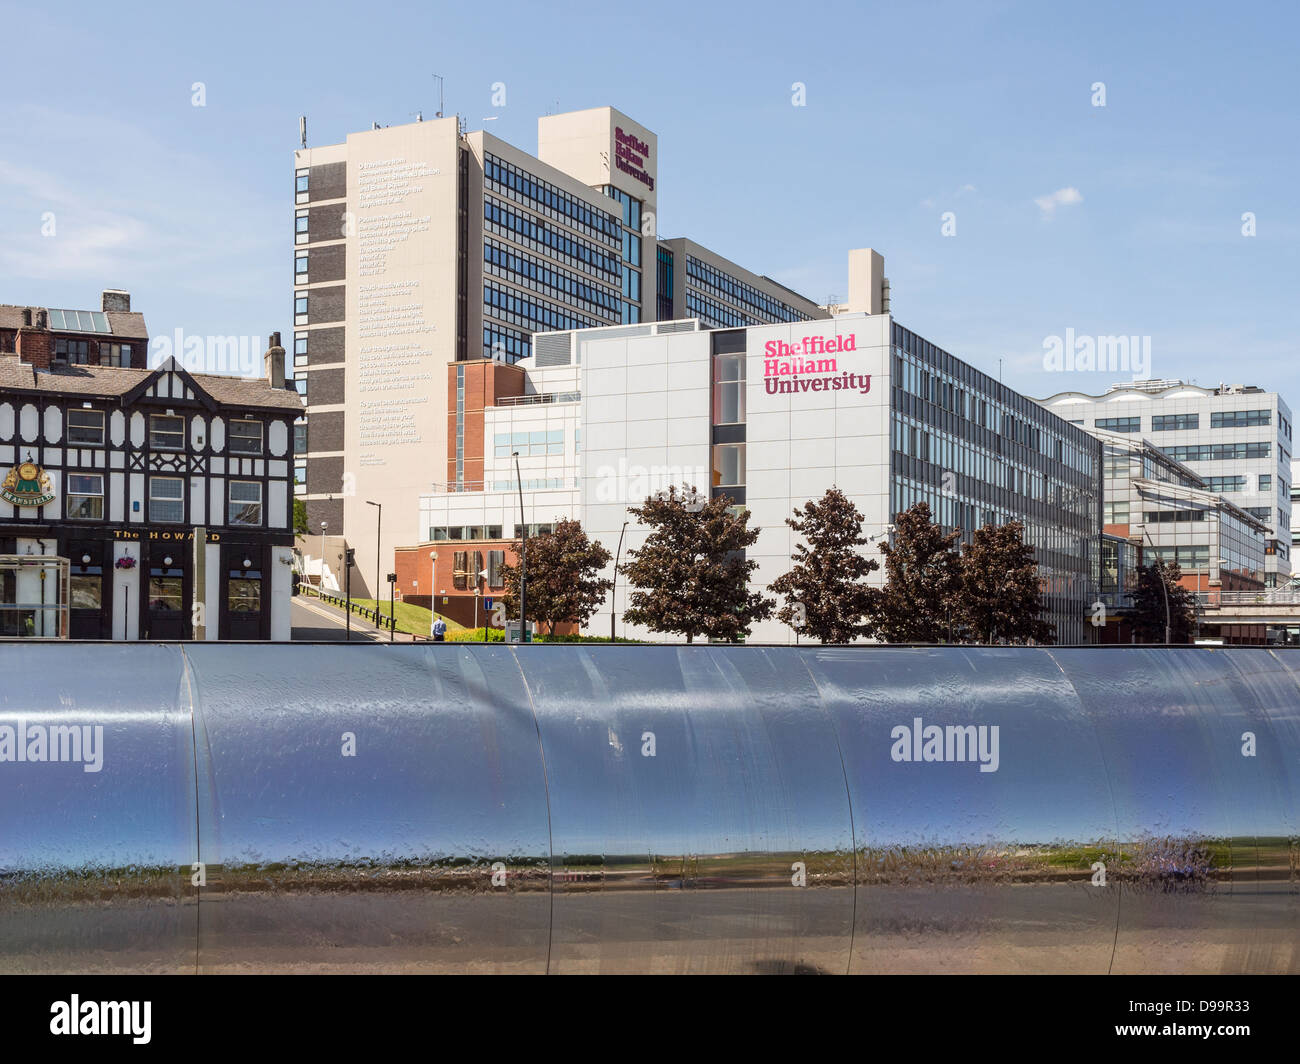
[425, 582]
[486, 382]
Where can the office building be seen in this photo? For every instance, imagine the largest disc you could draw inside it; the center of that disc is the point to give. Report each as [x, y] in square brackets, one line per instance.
[1156, 508]
[421, 246]
[771, 416]
[1236, 438]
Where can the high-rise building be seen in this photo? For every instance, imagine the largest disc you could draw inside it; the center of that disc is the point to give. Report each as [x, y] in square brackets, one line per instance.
[1236, 438]
[420, 246]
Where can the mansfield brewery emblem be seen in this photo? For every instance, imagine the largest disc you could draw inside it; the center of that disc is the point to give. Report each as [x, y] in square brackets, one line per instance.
[27, 485]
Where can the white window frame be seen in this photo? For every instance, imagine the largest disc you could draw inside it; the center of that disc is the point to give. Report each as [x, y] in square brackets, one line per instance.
[231, 503]
[231, 437]
[153, 518]
[173, 417]
[70, 496]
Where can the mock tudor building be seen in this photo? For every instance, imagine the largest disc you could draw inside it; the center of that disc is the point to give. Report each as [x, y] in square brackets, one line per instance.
[161, 500]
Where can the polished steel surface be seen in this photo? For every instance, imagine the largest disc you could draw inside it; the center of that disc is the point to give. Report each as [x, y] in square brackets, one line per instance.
[578, 808]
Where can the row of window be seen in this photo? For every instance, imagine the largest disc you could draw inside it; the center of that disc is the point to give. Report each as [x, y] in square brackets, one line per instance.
[467, 567]
[714, 314]
[727, 287]
[458, 533]
[1219, 452]
[77, 353]
[85, 428]
[1240, 419]
[563, 207]
[528, 271]
[529, 443]
[530, 314]
[1219, 419]
[500, 219]
[505, 345]
[85, 499]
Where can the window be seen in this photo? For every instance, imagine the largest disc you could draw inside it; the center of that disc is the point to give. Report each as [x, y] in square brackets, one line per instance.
[1175, 422]
[86, 427]
[166, 433]
[300, 437]
[244, 437]
[299, 264]
[729, 389]
[85, 497]
[86, 591]
[245, 503]
[301, 180]
[300, 223]
[300, 304]
[1222, 484]
[728, 465]
[1266, 482]
[244, 591]
[74, 352]
[300, 344]
[300, 385]
[300, 478]
[466, 565]
[165, 592]
[115, 354]
[167, 499]
[1120, 424]
[1240, 419]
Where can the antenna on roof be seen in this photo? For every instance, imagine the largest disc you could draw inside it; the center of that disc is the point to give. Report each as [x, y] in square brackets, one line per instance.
[438, 79]
[302, 129]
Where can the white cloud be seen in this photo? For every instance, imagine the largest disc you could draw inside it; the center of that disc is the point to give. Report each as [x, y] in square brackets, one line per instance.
[1062, 197]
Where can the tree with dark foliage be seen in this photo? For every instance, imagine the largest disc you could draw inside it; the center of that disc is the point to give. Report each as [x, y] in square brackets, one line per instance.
[564, 585]
[690, 575]
[825, 597]
[1148, 617]
[1000, 598]
[922, 578]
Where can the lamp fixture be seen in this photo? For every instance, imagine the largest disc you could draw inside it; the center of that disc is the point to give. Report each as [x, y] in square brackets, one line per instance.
[167, 562]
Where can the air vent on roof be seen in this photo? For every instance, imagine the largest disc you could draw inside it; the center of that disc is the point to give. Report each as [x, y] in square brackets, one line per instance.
[676, 326]
[553, 349]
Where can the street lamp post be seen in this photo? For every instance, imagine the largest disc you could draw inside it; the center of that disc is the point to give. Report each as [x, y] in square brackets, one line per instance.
[320, 578]
[379, 524]
[1164, 586]
[614, 589]
[523, 551]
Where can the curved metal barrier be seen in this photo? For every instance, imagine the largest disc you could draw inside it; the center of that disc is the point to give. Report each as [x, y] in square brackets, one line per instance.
[576, 808]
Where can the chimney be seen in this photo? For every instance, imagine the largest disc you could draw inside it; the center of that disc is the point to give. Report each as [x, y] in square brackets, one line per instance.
[274, 359]
[115, 299]
[34, 343]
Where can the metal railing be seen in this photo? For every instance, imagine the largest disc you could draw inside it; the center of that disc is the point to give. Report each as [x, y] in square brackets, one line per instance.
[540, 397]
[376, 615]
[1262, 597]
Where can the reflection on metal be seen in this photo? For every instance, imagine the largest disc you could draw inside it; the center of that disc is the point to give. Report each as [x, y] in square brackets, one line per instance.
[483, 808]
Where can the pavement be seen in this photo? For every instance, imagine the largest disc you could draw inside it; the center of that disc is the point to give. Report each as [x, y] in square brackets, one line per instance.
[315, 621]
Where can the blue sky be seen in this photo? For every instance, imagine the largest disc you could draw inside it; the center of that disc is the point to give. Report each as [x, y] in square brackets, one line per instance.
[912, 110]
